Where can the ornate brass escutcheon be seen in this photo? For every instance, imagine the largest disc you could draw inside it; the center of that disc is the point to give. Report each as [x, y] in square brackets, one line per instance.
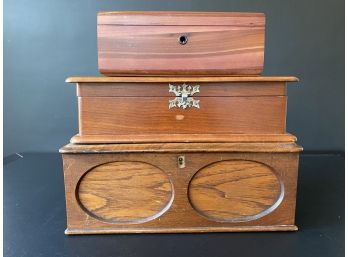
[184, 95]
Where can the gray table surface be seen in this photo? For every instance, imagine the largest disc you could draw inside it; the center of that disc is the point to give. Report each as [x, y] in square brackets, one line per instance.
[34, 218]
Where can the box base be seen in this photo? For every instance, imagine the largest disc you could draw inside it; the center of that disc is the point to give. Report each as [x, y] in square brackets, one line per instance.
[182, 230]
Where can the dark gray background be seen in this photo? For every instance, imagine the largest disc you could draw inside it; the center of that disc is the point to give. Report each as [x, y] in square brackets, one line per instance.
[46, 41]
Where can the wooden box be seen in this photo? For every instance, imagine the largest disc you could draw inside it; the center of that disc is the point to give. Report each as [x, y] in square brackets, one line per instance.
[168, 43]
[181, 109]
[180, 187]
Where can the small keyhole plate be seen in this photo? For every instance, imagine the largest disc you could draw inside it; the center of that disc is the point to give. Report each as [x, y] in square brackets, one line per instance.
[183, 39]
[181, 161]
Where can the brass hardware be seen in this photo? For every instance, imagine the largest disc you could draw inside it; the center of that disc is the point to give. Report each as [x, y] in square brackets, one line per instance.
[183, 39]
[183, 97]
[181, 161]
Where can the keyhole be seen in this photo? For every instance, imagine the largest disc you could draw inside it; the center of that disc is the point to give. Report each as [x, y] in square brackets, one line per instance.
[181, 162]
[183, 39]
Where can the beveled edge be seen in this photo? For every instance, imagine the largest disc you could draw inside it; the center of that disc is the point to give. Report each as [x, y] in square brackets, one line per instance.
[187, 13]
[182, 138]
[86, 231]
[181, 18]
[289, 147]
[166, 79]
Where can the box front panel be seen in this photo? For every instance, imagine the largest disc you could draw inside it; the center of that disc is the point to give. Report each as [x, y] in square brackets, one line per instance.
[154, 115]
[199, 50]
[126, 89]
[180, 192]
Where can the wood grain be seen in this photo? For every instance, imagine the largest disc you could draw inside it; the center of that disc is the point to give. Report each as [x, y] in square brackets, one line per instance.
[116, 109]
[245, 147]
[146, 115]
[134, 43]
[235, 191]
[181, 216]
[180, 18]
[177, 138]
[125, 192]
[267, 228]
[174, 79]
[161, 89]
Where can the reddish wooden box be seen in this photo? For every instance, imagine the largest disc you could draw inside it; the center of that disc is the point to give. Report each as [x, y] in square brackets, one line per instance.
[156, 109]
[162, 43]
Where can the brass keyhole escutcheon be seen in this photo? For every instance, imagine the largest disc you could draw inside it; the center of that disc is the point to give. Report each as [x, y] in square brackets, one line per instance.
[181, 161]
[183, 39]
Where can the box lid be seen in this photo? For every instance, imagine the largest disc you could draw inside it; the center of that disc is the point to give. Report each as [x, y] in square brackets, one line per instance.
[160, 18]
[158, 79]
[255, 147]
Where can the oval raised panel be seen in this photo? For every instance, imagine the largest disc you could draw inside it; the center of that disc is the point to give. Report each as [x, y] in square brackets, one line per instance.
[125, 192]
[235, 191]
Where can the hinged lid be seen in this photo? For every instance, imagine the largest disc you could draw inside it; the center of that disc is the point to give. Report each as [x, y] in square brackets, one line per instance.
[158, 79]
[280, 147]
[181, 18]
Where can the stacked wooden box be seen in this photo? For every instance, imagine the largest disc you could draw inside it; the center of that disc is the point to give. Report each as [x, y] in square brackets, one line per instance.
[183, 135]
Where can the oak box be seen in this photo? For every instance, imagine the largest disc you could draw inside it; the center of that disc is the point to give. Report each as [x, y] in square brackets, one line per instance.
[180, 187]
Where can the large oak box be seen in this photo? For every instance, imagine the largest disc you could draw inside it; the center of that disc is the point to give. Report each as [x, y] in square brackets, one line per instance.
[190, 43]
[181, 109]
[180, 187]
